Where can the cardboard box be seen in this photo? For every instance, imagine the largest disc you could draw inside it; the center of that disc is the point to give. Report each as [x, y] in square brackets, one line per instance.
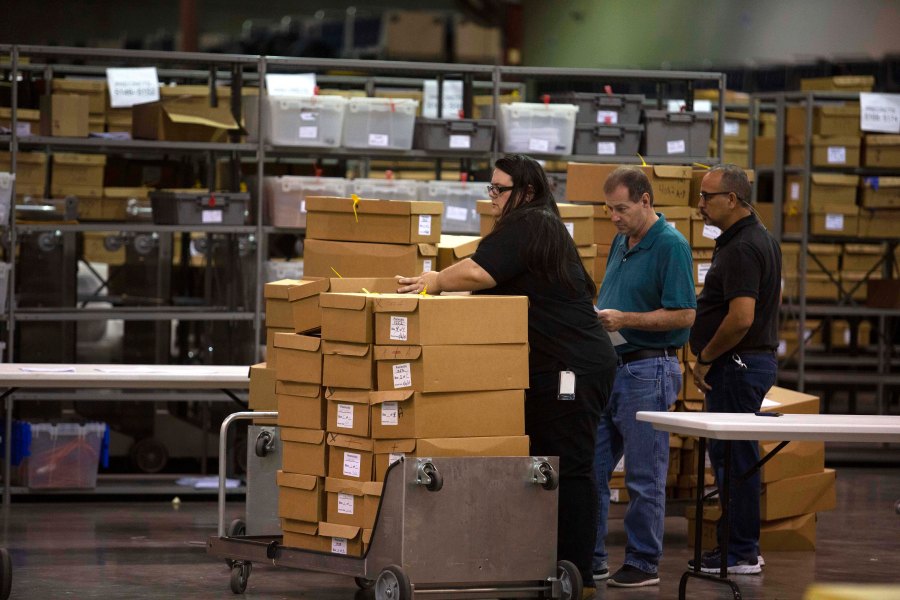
[414, 35]
[679, 217]
[791, 534]
[93, 90]
[670, 183]
[304, 535]
[827, 254]
[64, 115]
[116, 201]
[819, 286]
[766, 213]
[347, 317]
[764, 151]
[389, 451]
[78, 170]
[841, 334]
[300, 497]
[703, 235]
[879, 223]
[299, 358]
[473, 43]
[323, 258]
[577, 218]
[828, 120]
[881, 151]
[828, 151]
[795, 459]
[182, 120]
[825, 189]
[588, 255]
[877, 192]
[300, 405]
[348, 365]
[861, 257]
[342, 539]
[600, 262]
[702, 262]
[457, 368]
[271, 354]
[304, 451]
[94, 248]
[31, 169]
[278, 309]
[826, 219]
[350, 457]
[454, 248]
[414, 320]
[604, 230]
[382, 221]
[262, 388]
[348, 411]
[798, 496]
[791, 402]
[352, 503]
[407, 414]
[28, 122]
[838, 83]
[734, 152]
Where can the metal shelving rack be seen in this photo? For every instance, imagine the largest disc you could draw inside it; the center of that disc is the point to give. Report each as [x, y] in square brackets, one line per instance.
[811, 369]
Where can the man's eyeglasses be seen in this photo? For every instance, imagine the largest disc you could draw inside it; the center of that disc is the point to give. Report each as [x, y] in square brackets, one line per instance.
[495, 190]
[705, 196]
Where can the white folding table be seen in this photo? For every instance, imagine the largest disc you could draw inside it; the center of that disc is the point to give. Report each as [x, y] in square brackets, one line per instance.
[15, 376]
[748, 426]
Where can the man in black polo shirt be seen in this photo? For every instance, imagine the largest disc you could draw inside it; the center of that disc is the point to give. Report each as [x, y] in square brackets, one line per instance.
[734, 337]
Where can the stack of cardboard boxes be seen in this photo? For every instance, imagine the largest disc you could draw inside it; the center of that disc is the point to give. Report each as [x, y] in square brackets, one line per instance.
[79, 175]
[31, 173]
[94, 91]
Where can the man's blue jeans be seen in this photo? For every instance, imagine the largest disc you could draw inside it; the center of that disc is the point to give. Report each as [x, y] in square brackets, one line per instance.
[649, 384]
[739, 383]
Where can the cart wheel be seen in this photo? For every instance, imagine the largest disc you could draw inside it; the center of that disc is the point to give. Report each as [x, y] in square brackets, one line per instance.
[569, 580]
[363, 583]
[240, 573]
[237, 528]
[5, 574]
[552, 477]
[436, 480]
[392, 584]
[262, 443]
[149, 455]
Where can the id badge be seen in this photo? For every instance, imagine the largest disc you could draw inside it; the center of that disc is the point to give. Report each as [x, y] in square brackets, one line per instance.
[566, 386]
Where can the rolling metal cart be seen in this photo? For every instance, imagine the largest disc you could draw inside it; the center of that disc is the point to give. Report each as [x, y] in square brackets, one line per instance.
[446, 528]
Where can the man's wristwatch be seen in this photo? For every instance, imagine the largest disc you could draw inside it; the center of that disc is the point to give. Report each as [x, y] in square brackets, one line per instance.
[701, 361]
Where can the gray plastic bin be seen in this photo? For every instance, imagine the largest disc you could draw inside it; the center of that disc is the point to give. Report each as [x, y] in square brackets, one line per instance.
[199, 208]
[457, 135]
[604, 109]
[607, 140]
[677, 133]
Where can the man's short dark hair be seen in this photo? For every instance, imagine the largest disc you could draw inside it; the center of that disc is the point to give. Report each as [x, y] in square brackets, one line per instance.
[734, 179]
[635, 181]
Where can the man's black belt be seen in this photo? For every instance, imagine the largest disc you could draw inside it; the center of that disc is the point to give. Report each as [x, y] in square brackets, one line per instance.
[645, 353]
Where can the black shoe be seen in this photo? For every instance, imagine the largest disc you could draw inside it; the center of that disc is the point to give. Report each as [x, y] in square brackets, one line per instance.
[708, 556]
[629, 576]
[601, 572]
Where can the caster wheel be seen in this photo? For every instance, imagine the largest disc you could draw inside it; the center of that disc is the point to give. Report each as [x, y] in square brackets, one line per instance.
[552, 476]
[240, 573]
[363, 583]
[236, 528]
[149, 455]
[436, 480]
[393, 584]
[569, 580]
[5, 574]
[263, 442]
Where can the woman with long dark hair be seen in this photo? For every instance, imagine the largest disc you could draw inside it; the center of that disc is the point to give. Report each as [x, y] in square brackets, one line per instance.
[530, 253]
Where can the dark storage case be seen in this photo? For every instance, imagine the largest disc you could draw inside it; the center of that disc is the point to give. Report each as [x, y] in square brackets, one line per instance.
[199, 208]
[607, 140]
[604, 109]
[677, 133]
[456, 135]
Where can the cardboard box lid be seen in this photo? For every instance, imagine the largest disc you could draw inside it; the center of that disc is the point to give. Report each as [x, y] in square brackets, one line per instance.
[82, 85]
[302, 436]
[22, 114]
[587, 251]
[405, 446]
[483, 207]
[877, 183]
[673, 213]
[296, 388]
[345, 486]
[68, 189]
[355, 301]
[374, 285]
[295, 526]
[428, 249]
[352, 396]
[376, 398]
[346, 349]
[296, 480]
[835, 179]
[834, 208]
[839, 110]
[125, 193]
[373, 488]
[864, 248]
[368, 206]
[463, 446]
[397, 352]
[83, 160]
[297, 342]
[190, 113]
[338, 531]
[671, 172]
[37, 158]
[304, 288]
[349, 441]
[461, 245]
[883, 140]
[574, 211]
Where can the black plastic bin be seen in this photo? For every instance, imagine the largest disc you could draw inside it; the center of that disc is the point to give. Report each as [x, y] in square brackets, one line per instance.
[607, 140]
[199, 208]
[457, 135]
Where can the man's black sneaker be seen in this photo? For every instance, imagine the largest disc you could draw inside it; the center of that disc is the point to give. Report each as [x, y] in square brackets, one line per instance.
[601, 572]
[629, 576]
[714, 557]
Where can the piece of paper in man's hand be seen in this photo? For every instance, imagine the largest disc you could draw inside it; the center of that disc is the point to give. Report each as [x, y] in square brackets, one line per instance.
[616, 338]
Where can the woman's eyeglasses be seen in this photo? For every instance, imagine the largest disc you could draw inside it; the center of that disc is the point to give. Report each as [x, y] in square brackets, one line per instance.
[495, 190]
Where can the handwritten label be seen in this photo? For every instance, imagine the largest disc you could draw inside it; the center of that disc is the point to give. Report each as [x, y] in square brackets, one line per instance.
[711, 232]
[402, 375]
[702, 270]
[462, 142]
[345, 416]
[795, 190]
[452, 99]
[345, 504]
[352, 462]
[732, 128]
[834, 222]
[291, 84]
[675, 147]
[339, 545]
[424, 224]
[426, 264]
[309, 132]
[538, 145]
[570, 227]
[132, 86]
[879, 112]
[837, 155]
[607, 117]
[390, 415]
[606, 148]
[399, 328]
[456, 213]
[211, 216]
[379, 140]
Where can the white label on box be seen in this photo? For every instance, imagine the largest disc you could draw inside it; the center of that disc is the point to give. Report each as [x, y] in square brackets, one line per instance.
[424, 224]
[614, 494]
[308, 116]
[732, 128]
[399, 328]
[352, 462]
[291, 84]
[537, 145]
[782, 347]
[879, 112]
[309, 132]
[426, 264]
[345, 416]
[606, 148]
[837, 155]
[834, 222]
[303, 206]
[620, 466]
[680, 106]
[607, 117]
[132, 86]
[339, 545]
[675, 147]
[390, 415]
[379, 140]
[795, 190]
[461, 141]
[847, 336]
[570, 227]
[452, 99]
[711, 232]
[702, 270]
[456, 213]
[211, 216]
[402, 376]
[671, 224]
[23, 129]
[807, 335]
[394, 457]
[345, 504]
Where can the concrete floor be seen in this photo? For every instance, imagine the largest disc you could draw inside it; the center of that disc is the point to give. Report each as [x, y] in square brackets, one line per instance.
[142, 550]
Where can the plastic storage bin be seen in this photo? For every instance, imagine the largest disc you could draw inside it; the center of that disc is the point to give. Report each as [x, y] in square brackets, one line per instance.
[458, 135]
[459, 198]
[386, 189]
[607, 140]
[534, 128]
[285, 197]
[380, 123]
[199, 208]
[605, 109]
[677, 133]
[284, 269]
[311, 121]
[64, 455]
[6, 185]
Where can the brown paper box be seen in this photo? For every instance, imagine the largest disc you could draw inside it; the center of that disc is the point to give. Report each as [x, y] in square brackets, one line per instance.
[454, 248]
[348, 365]
[795, 459]
[64, 115]
[382, 221]
[262, 388]
[300, 405]
[671, 184]
[342, 539]
[323, 258]
[304, 535]
[347, 411]
[347, 317]
[182, 120]
[388, 451]
[352, 503]
[299, 358]
[300, 497]
[798, 495]
[350, 457]
[304, 451]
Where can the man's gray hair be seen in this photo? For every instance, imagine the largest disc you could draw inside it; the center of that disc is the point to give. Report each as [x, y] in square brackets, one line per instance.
[734, 179]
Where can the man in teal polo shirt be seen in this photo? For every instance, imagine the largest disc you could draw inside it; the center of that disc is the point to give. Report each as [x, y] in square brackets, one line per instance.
[647, 303]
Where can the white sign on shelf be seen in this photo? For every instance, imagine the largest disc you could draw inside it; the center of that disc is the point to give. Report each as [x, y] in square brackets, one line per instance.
[452, 100]
[879, 112]
[680, 105]
[298, 84]
[132, 86]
